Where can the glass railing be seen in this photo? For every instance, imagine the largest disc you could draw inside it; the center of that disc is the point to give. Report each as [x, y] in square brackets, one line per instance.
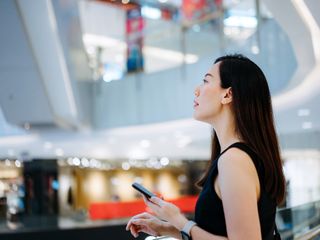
[298, 221]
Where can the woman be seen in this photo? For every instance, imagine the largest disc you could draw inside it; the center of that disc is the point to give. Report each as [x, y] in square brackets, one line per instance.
[244, 181]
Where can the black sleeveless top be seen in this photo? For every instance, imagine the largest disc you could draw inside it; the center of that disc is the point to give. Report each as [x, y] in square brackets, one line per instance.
[209, 213]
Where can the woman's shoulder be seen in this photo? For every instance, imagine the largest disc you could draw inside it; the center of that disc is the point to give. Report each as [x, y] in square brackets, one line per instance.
[235, 157]
[237, 163]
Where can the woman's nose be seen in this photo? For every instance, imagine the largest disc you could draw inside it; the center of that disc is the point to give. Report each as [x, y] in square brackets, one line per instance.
[197, 92]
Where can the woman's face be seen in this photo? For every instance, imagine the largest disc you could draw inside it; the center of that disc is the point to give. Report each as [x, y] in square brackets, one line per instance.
[208, 96]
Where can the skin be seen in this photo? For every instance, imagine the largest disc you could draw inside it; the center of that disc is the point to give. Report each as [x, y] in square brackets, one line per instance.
[239, 198]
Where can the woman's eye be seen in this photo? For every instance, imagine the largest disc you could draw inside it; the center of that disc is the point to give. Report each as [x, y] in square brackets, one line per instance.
[205, 81]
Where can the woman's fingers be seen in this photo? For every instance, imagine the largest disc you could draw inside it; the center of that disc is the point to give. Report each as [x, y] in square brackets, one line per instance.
[143, 215]
[129, 224]
[134, 231]
[157, 200]
[146, 200]
[141, 222]
[146, 225]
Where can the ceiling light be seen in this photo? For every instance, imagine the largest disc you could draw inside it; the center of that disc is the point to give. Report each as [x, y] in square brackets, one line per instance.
[150, 12]
[190, 58]
[47, 145]
[163, 1]
[145, 143]
[307, 125]
[241, 21]
[112, 75]
[125, 1]
[303, 112]
[255, 49]
[163, 54]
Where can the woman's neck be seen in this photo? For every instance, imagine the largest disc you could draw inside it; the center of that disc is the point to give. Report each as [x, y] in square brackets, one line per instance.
[226, 132]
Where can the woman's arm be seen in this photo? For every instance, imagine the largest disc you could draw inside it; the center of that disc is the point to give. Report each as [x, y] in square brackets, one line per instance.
[239, 189]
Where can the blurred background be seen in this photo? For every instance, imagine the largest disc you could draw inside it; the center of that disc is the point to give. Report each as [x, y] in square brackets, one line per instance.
[96, 95]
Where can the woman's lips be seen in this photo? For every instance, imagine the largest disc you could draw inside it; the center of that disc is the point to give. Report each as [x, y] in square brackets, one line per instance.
[195, 104]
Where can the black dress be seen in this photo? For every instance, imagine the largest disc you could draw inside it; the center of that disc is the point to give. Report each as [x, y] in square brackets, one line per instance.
[209, 213]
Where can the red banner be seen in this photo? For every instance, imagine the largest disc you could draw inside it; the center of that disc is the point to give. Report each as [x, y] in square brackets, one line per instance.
[112, 210]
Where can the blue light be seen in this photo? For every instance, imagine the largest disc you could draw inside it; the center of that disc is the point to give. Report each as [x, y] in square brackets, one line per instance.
[55, 184]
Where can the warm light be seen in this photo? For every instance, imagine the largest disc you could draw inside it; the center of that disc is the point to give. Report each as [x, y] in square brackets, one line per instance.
[76, 161]
[70, 161]
[126, 166]
[115, 181]
[85, 162]
[138, 180]
[182, 178]
[164, 161]
[17, 163]
[7, 162]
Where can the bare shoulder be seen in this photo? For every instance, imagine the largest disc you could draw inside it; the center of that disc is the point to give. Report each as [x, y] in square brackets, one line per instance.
[237, 164]
[236, 160]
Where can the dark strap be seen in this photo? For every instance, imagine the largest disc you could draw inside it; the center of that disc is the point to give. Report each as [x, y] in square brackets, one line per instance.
[276, 235]
[231, 146]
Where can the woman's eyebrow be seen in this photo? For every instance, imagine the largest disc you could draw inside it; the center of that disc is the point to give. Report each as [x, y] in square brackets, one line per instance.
[208, 74]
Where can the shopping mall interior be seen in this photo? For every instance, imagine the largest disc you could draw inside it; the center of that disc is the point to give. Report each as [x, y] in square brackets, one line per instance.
[98, 94]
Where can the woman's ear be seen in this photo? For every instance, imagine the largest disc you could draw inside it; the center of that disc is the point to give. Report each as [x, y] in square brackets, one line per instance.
[227, 97]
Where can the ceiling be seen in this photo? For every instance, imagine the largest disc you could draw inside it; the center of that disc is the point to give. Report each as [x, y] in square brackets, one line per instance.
[296, 111]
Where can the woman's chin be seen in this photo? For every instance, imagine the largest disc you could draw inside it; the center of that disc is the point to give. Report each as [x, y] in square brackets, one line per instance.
[197, 117]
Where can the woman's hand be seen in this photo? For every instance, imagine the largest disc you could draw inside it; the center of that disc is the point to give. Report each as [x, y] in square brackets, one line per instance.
[166, 211]
[147, 223]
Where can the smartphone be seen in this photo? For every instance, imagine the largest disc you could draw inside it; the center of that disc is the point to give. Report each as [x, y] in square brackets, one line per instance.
[143, 190]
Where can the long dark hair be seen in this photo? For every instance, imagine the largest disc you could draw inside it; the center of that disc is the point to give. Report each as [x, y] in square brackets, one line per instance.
[251, 103]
